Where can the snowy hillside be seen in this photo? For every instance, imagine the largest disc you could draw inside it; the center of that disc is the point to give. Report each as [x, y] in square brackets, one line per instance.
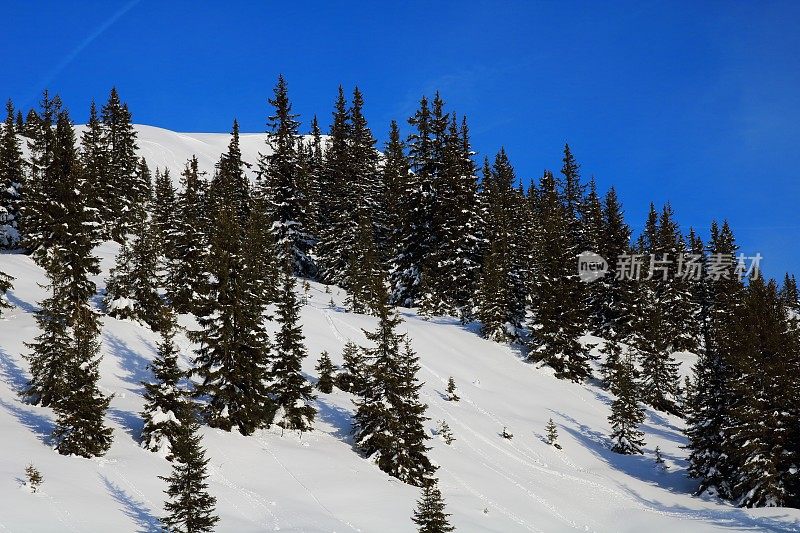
[318, 483]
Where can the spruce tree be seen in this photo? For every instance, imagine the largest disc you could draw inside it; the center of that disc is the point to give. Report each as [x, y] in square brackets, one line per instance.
[291, 391]
[190, 508]
[325, 369]
[626, 412]
[166, 402]
[430, 516]
[132, 288]
[364, 276]
[552, 434]
[163, 216]
[233, 347]
[501, 291]
[451, 390]
[388, 424]
[559, 317]
[5, 286]
[187, 272]
[279, 174]
[352, 378]
[392, 214]
[94, 157]
[11, 182]
[618, 294]
[789, 292]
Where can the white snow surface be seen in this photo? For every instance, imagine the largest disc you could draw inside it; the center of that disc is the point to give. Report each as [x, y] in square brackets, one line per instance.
[317, 482]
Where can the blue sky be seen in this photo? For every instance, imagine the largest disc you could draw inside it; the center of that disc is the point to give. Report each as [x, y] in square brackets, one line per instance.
[696, 103]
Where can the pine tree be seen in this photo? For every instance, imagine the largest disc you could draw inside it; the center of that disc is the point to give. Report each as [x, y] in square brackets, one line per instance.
[429, 514]
[559, 317]
[388, 424]
[391, 219]
[233, 352]
[364, 276]
[5, 286]
[132, 288]
[610, 365]
[34, 477]
[660, 463]
[552, 434]
[789, 292]
[291, 391]
[279, 173]
[626, 412]
[164, 207]
[187, 273]
[501, 292]
[94, 157]
[444, 431]
[11, 182]
[190, 508]
[451, 390]
[619, 302]
[352, 377]
[592, 229]
[325, 369]
[166, 402]
[125, 187]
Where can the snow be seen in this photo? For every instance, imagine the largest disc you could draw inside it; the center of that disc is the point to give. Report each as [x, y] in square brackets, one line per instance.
[276, 481]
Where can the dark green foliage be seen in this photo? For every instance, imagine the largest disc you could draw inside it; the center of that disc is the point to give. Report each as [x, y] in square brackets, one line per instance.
[446, 433]
[132, 288]
[166, 402]
[501, 291]
[451, 390]
[364, 275]
[12, 180]
[430, 515]
[164, 217]
[233, 352]
[34, 477]
[187, 273]
[626, 412]
[392, 217]
[291, 391]
[789, 292]
[388, 424]
[190, 508]
[5, 286]
[325, 369]
[552, 434]
[352, 377]
[558, 294]
[280, 175]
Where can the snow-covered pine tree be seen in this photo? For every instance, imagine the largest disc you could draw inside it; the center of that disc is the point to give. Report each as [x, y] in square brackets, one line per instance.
[559, 316]
[391, 217]
[291, 392]
[233, 352]
[572, 192]
[430, 515]
[5, 286]
[708, 416]
[610, 365]
[187, 273]
[552, 434]
[166, 402]
[452, 396]
[626, 412]
[40, 190]
[449, 283]
[325, 369]
[132, 287]
[501, 292]
[279, 175]
[592, 225]
[11, 181]
[163, 215]
[125, 188]
[789, 292]
[365, 280]
[190, 508]
[388, 421]
[352, 377]
[94, 158]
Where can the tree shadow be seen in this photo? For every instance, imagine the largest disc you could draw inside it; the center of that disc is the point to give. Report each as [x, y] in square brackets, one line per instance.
[339, 418]
[22, 304]
[133, 508]
[132, 423]
[39, 424]
[16, 378]
[133, 363]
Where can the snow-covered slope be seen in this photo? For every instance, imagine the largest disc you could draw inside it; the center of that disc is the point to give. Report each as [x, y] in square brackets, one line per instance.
[317, 483]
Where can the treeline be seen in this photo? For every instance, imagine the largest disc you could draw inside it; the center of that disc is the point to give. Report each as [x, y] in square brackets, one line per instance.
[421, 221]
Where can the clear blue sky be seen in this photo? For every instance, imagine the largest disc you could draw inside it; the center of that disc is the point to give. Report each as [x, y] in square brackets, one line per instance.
[696, 103]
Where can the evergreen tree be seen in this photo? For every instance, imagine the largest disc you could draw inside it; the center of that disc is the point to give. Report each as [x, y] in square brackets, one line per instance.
[364, 276]
[190, 508]
[352, 378]
[558, 317]
[187, 275]
[280, 178]
[132, 288]
[789, 292]
[451, 390]
[124, 184]
[572, 195]
[94, 157]
[325, 369]
[233, 352]
[11, 182]
[429, 514]
[164, 218]
[501, 292]
[5, 286]
[626, 412]
[592, 229]
[166, 402]
[388, 424]
[552, 434]
[291, 391]
[391, 216]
